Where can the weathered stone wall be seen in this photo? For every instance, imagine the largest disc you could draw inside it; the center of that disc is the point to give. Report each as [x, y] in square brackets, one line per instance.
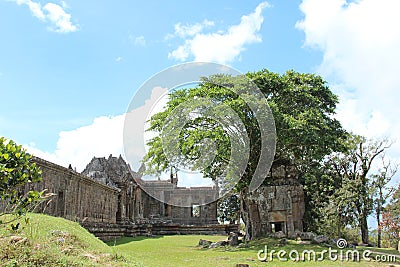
[282, 204]
[180, 203]
[114, 205]
[77, 197]
[156, 199]
[108, 232]
[277, 207]
[178, 229]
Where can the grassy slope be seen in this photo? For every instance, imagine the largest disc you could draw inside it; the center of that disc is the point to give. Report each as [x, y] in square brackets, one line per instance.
[183, 251]
[51, 241]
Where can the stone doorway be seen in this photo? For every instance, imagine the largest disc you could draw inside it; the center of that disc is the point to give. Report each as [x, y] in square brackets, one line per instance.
[277, 227]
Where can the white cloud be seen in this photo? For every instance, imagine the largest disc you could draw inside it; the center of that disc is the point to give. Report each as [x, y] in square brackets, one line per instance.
[104, 136]
[140, 41]
[77, 147]
[182, 52]
[360, 43]
[189, 30]
[34, 7]
[137, 40]
[59, 20]
[135, 134]
[184, 31]
[64, 4]
[118, 59]
[220, 47]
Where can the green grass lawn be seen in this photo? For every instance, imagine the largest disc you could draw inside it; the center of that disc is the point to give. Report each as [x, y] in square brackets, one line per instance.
[51, 241]
[183, 251]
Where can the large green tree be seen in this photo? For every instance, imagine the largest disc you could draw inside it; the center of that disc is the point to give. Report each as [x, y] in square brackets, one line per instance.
[302, 106]
[16, 170]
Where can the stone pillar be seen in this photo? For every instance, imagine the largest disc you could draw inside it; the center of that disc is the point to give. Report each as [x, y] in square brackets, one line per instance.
[161, 204]
[289, 224]
[289, 215]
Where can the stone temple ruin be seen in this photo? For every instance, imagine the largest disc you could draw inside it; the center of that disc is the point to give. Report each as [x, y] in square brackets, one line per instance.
[278, 207]
[108, 199]
[135, 204]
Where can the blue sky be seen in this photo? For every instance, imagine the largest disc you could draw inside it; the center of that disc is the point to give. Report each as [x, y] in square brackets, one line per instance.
[68, 69]
[62, 81]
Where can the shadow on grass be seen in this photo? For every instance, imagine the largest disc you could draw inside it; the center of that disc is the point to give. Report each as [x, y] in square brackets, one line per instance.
[126, 240]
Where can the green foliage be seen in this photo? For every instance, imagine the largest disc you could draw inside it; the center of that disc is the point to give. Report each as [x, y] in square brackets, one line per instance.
[200, 127]
[302, 106]
[229, 208]
[388, 240]
[382, 192]
[390, 223]
[16, 171]
[352, 199]
[394, 205]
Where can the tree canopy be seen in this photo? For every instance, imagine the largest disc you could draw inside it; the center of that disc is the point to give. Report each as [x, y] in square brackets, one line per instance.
[353, 182]
[302, 106]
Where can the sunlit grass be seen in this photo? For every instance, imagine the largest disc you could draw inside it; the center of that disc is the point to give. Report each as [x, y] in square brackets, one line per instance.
[182, 250]
[42, 240]
[51, 241]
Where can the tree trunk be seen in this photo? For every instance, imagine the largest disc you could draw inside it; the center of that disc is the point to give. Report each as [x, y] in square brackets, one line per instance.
[339, 232]
[378, 218]
[364, 229]
[250, 216]
[364, 209]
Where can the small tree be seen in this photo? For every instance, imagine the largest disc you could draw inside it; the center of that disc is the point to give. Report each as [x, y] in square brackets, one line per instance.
[229, 208]
[16, 170]
[391, 219]
[354, 197]
[382, 191]
[391, 226]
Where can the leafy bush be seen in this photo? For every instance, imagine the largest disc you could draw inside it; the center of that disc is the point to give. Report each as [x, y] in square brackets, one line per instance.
[16, 171]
